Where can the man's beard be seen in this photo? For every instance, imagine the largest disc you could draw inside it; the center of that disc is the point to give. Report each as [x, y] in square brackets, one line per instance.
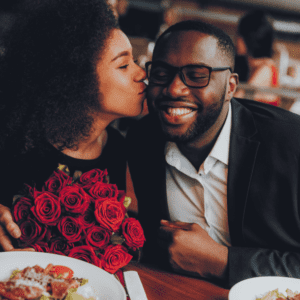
[201, 125]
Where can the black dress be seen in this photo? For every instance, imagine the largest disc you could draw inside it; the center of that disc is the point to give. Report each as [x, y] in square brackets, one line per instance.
[36, 166]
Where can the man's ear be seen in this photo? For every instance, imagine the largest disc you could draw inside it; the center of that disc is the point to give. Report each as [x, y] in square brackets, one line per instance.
[232, 85]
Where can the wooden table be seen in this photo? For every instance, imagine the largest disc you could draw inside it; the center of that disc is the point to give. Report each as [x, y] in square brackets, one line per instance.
[159, 284]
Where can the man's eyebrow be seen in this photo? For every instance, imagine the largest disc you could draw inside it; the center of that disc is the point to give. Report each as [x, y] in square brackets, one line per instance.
[123, 53]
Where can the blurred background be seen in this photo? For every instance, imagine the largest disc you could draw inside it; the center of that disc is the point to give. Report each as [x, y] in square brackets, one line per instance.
[144, 20]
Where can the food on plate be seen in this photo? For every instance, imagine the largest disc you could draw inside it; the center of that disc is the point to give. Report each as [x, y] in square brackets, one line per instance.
[38, 283]
[275, 295]
[61, 271]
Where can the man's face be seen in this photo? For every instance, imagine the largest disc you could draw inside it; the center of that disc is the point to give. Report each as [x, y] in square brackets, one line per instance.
[187, 113]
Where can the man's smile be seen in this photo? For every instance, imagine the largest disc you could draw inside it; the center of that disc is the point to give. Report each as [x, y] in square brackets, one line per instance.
[176, 112]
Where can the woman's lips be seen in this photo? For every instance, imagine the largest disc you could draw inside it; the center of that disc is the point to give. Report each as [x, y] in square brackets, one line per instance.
[143, 89]
[142, 92]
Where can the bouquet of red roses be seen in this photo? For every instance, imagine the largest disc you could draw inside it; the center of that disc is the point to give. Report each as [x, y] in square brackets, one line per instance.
[82, 217]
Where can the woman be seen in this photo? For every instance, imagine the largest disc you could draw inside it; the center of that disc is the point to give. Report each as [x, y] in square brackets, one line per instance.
[67, 73]
[255, 41]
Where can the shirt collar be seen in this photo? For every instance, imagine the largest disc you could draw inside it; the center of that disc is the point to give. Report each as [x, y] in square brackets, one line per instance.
[220, 151]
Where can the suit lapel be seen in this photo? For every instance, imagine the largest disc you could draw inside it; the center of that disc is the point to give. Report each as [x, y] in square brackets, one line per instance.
[242, 155]
[160, 181]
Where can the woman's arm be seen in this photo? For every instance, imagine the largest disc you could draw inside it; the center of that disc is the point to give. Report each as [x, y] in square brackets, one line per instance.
[7, 228]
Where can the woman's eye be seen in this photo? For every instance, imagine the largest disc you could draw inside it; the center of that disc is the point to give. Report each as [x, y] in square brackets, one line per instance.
[124, 67]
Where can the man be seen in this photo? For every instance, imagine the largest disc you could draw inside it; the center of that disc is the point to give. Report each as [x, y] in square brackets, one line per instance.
[216, 178]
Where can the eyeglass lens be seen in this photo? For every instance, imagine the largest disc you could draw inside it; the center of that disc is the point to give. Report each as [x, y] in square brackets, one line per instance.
[195, 76]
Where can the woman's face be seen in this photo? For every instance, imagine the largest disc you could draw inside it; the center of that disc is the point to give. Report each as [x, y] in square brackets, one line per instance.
[122, 90]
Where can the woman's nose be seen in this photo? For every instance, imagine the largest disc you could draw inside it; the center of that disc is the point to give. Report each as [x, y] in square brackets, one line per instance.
[141, 74]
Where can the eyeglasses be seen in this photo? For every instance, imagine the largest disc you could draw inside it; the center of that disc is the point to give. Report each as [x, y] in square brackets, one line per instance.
[194, 76]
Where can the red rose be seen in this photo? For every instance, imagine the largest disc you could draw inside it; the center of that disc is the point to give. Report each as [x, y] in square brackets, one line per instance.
[88, 217]
[46, 208]
[133, 233]
[121, 196]
[40, 247]
[29, 191]
[74, 199]
[89, 178]
[103, 190]
[31, 232]
[115, 257]
[60, 245]
[109, 214]
[21, 209]
[70, 228]
[56, 182]
[98, 237]
[86, 253]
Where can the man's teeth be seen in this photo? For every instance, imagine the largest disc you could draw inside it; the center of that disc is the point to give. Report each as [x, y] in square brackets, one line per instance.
[178, 111]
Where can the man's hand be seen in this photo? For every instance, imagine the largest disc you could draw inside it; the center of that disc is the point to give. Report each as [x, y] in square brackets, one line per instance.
[7, 225]
[191, 249]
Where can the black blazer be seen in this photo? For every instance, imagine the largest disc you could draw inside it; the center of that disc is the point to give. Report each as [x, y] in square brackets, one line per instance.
[262, 194]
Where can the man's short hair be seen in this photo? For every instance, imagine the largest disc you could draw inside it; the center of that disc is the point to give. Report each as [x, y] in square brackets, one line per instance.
[224, 41]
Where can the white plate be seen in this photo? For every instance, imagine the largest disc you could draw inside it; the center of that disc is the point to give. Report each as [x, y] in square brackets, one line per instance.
[253, 288]
[101, 285]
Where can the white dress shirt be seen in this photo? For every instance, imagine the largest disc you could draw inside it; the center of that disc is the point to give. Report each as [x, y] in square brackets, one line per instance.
[201, 196]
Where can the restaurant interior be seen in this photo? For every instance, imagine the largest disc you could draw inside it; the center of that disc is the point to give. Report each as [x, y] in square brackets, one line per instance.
[143, 21]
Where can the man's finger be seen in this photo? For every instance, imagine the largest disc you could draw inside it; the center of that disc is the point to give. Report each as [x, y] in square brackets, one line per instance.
[177, 224]
[165, 236]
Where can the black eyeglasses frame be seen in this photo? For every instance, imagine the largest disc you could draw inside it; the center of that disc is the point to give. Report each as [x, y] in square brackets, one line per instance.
[177, 70]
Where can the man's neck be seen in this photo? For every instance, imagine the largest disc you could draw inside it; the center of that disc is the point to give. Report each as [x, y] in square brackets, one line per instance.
[196, 155]
[198, 150]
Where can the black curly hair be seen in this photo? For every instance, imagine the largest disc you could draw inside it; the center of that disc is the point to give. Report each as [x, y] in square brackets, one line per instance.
[49, 89]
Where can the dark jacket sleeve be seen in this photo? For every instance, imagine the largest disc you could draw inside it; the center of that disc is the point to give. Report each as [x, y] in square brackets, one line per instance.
[250, 262]
[265, 225]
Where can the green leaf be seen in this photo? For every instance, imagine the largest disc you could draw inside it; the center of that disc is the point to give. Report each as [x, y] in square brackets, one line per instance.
[64, 168]
[127, 202]
[107, 178]
[76, 175]
[117, 239]
[14, 273]
[83, 281]
[16, 197]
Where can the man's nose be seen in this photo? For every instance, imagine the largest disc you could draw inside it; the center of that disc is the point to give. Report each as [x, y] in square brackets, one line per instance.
[176, 88]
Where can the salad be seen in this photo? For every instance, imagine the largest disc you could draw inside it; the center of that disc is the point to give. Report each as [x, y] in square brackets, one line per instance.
[53, 282]
[276, 295]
